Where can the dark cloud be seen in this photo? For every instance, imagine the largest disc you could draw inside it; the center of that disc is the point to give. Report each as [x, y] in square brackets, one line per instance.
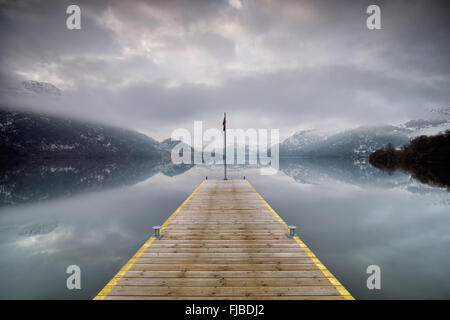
[158, 65]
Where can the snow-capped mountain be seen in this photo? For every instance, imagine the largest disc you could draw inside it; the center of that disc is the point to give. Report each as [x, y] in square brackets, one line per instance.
[357, 142]
[304, 138]
[437, 121]
[32, 136]
[169, 144]
[362, 141]
[28, 136]
[43, 88]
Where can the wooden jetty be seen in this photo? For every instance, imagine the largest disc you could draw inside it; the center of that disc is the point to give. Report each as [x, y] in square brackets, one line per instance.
[224, 242]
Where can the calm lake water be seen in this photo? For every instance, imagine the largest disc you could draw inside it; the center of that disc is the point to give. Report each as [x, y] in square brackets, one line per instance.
[97, 216]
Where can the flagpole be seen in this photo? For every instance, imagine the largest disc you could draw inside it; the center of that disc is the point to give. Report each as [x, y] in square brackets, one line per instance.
[225, 145]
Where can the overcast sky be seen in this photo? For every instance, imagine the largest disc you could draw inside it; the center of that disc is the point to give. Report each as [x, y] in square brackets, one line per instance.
[159, 65]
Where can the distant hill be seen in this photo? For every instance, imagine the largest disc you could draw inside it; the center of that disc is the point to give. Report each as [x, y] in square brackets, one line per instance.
[362, 141]
[29, 136]
[437, 121]
[38, 87]
[351, 143]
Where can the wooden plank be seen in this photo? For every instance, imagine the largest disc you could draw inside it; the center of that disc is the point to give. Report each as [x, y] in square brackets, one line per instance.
[224, 291]
[225, 282]
[214, 255]
[221, 242]
[220, 237]
[227, 260]
[222, 267]
[223, 245]
[221, 228]
[135, 297]
[224, 250]
[210, 232]
[225, 274]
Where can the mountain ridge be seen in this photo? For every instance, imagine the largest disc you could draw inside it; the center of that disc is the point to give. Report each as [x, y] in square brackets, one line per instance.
[30, 136]
[363, 140]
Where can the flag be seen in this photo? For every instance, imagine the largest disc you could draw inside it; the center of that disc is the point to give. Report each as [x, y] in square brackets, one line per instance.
[223, 123]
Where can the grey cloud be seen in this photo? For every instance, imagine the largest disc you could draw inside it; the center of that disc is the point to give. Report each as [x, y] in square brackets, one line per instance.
[289, 64]
[37, 32]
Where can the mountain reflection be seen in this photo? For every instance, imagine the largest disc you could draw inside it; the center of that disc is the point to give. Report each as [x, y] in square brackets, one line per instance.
[30, 182]
[434, 175]
[26, 183]
[361, 173]
[346, 170]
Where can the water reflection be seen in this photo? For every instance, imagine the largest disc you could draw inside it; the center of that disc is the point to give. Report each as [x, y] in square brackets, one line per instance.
[30, 182]
[350, 214]
[436, 175]
[355, 172]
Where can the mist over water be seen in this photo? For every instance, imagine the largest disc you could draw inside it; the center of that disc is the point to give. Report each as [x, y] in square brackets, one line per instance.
[350, 214]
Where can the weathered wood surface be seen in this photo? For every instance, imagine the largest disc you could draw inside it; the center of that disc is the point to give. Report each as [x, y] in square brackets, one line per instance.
[224, 242]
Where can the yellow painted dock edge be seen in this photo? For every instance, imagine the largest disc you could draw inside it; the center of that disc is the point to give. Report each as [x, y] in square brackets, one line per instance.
[335, 282]
[101, 295]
